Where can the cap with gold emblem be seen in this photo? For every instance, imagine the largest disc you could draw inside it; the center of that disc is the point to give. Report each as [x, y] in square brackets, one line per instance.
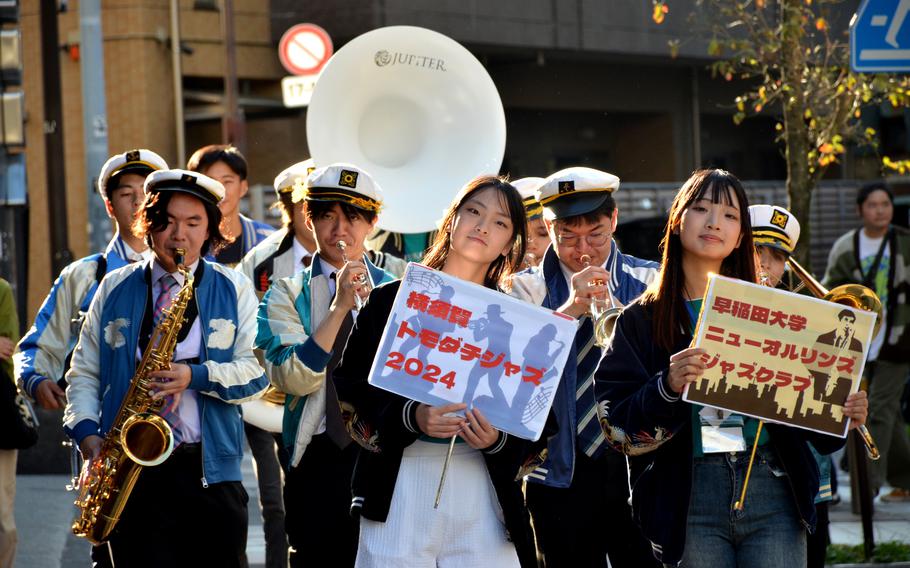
[193, 183]
[345, 183]
[774, 226]
[575, 191]
[286, 180]
[141, 162]
[527, 187]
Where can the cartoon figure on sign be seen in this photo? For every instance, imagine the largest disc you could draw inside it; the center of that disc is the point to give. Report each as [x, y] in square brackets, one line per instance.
[828, 386]
[498, 333]
[537, 355]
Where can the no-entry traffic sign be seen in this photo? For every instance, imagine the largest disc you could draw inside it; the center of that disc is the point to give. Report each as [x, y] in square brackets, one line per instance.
[305, 49]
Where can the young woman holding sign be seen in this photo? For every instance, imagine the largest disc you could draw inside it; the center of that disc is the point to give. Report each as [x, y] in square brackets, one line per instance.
[684, 485]
[481, 520]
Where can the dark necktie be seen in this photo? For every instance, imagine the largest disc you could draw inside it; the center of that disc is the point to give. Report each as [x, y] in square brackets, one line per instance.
[334, 424]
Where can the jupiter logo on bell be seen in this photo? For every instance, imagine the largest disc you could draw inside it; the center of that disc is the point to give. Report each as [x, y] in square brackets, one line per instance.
[384, 58]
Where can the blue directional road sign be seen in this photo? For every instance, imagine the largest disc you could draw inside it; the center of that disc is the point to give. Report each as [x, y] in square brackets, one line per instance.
[880, 37]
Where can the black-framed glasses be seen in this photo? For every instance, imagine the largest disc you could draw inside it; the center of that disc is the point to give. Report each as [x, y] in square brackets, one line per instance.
[593, 239]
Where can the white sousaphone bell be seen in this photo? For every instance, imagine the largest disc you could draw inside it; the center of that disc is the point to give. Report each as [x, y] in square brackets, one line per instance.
[417, 111]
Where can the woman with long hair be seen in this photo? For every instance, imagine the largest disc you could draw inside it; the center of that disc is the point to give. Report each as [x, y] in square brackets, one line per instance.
[481, 520]
[684, 485]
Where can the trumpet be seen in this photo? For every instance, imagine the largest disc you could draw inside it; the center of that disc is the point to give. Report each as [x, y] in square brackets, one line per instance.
[360, 280]
[603, 310]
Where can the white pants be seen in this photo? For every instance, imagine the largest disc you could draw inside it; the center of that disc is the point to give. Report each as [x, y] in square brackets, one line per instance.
[466, 530]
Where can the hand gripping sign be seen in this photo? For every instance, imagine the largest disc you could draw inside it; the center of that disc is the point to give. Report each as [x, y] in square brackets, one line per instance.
[779, 356]
[448, 341]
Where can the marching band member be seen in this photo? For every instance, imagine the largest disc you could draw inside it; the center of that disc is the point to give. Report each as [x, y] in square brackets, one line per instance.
[579, 496]
[304, 321]
[42, 355]
[682, 495]
[481, 240]
[538, 236]
[283, 253]
[775, 232]
[194, 501]
[291, 248]
[225, 163]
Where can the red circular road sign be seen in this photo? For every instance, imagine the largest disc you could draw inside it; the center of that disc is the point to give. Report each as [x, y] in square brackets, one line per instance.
[305, 49]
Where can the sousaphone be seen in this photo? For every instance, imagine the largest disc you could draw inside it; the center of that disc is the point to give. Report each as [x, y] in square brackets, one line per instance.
[417, 111]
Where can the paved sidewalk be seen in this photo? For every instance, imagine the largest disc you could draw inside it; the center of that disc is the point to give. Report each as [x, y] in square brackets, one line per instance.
[45, 511]
[890, 522]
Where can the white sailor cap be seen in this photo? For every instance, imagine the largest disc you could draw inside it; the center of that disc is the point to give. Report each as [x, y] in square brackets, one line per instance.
[774, 226]
[345, 183]
[141, 162]
[284, 182]
[575, 191]
[193, 183]
[527, 187]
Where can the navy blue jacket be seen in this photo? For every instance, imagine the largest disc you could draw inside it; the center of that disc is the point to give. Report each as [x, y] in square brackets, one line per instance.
[648, 422]
[546, 286]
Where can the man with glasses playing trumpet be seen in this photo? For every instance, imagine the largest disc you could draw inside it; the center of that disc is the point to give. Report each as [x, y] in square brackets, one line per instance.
[579, 496]
[304, 322]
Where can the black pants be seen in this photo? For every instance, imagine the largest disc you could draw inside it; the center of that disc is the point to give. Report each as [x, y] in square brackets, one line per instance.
[317, 504]
[266, 452]
[582, 524]
[817, 542]
[171, 520]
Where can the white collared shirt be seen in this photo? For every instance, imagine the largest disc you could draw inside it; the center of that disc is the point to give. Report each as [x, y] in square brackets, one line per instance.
[300, 252]
[126, 252]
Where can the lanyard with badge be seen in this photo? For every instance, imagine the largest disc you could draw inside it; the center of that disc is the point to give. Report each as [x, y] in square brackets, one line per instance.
[721, 430]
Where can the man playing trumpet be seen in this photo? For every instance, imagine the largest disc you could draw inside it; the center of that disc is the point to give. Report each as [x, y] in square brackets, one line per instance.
[304, 322]
[195, 498]
[578, 496]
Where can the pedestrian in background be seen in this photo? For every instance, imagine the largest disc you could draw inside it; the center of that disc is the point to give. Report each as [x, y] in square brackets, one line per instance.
[877, 255]
[9, 335]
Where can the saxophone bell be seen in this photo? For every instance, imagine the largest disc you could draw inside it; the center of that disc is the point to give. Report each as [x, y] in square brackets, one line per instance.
[147, 439]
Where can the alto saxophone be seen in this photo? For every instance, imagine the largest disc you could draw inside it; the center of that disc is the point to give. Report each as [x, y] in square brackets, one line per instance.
[139, 436]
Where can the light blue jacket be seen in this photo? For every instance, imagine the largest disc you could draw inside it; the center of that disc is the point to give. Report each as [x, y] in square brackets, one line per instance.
[289, 312]
[227, 374]
[42, 352]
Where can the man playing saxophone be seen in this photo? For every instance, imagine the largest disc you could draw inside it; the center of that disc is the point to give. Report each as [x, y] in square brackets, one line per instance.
[195, 497]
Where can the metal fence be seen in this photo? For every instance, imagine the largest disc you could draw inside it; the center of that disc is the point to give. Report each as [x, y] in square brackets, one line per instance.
[833, 211]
